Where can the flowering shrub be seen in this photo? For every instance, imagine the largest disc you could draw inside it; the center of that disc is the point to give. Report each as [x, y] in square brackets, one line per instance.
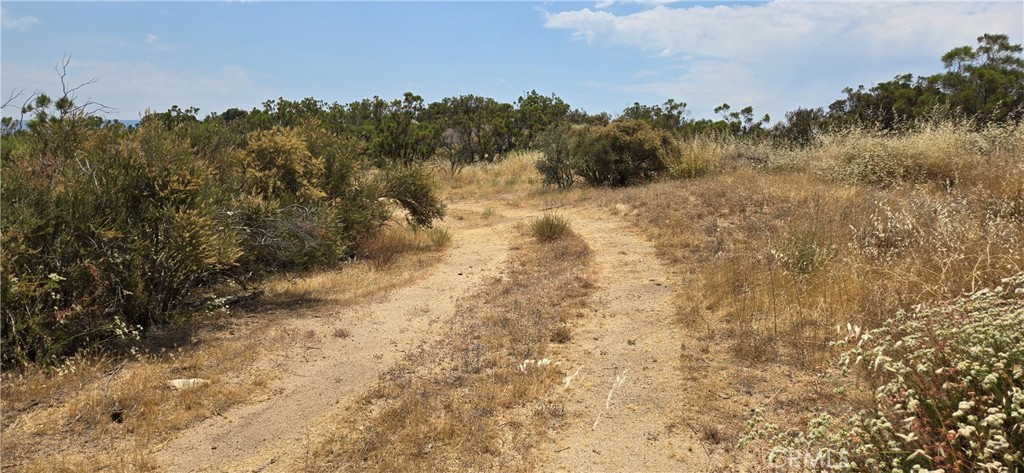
[949, 396]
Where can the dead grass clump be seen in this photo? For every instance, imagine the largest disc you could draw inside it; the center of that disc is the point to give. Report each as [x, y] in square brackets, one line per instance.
[388, 244]
[475, 401]
[561, 334]
[705, 154]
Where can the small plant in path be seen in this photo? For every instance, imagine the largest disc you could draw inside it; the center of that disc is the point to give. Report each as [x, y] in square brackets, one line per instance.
[549, 228]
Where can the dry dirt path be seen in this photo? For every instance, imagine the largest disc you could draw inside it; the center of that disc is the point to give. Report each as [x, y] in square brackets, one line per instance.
[623, 360]
[623, 363]
[266, 434]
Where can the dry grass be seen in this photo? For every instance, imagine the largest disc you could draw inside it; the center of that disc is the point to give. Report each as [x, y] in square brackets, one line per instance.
[781, 258]
[515, 175]
[393, 257]
[946, 154]
[473, 402]
[706, 154]
[390, 243]
[98, 413]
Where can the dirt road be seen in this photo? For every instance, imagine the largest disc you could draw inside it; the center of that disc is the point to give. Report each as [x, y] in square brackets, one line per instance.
[623, 361]
[335, 372]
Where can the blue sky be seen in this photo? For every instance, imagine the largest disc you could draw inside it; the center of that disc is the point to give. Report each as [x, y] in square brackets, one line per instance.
[599, 56]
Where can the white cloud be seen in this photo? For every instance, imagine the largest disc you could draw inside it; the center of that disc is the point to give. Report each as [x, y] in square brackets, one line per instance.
[21, 23]
[132, 87]
[604, 4]
[781, 54]
[151, 38]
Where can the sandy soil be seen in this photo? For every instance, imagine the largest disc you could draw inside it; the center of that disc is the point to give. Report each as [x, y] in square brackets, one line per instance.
[623, 363]
[336, 371]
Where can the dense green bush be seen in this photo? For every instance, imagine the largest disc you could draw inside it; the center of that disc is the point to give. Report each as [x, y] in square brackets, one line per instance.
[413, 189]
[109, 231]
[114, 239]
[622, 153]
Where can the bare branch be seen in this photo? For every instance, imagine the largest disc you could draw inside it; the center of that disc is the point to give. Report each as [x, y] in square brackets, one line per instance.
[12, 97]
[88, 108]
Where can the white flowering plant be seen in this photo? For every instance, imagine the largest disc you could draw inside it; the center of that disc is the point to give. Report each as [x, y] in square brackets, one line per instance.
[949, 391]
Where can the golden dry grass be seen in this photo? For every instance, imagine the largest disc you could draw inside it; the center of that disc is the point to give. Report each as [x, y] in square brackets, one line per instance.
[473, 402]
[392, 257]
[99, 413]
[514, 175]
[782, 257]
[944, 154]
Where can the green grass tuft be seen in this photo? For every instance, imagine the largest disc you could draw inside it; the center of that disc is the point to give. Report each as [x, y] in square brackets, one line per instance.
[549, 228]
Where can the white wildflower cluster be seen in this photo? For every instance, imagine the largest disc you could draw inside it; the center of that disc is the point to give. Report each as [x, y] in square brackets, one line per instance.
[950, 390]
[888, 232]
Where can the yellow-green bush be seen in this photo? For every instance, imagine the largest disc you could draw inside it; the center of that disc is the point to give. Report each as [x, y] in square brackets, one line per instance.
[101, 245]
[623, 153]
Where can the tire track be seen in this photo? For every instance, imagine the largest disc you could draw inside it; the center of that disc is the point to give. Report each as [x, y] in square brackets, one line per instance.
[260, 435]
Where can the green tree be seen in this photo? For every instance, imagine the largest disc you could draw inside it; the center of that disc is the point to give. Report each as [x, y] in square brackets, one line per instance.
[401, 133]
[473, 129]
[801, 126]
[671, 116]
[743, 121]
[536, 113]
[985, 82]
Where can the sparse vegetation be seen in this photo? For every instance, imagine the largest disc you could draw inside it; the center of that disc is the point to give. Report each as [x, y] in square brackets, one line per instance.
[450, 407]
[101, 413]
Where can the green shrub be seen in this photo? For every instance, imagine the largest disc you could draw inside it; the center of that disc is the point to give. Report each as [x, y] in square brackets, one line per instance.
[280, 165]
[549, 228]
[108, 231]
[288, 238]
[413, 189]
[623, 153]
[949, 396]
[122, 237]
